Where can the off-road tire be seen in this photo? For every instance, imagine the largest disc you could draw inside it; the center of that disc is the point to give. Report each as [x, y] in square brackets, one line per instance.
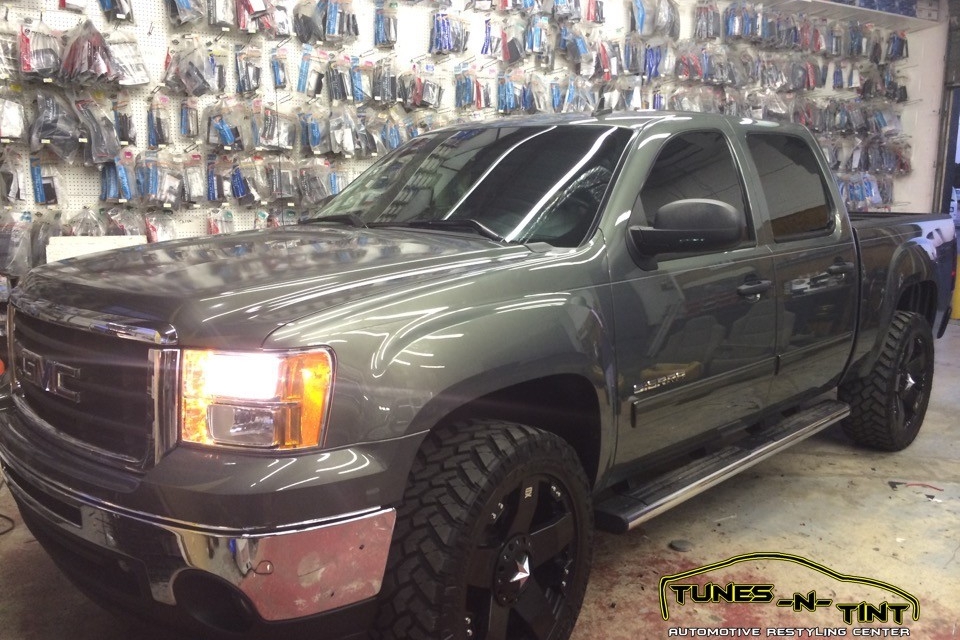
[484, 500]
[887, 406]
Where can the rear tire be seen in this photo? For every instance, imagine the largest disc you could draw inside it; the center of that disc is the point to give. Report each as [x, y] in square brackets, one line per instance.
[887, 406]
[493, 539]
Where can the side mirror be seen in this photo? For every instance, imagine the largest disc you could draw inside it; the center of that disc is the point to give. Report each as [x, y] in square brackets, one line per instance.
[689, 226]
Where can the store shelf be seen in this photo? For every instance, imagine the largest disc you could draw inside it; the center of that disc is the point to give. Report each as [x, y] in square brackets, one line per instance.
[837, 11]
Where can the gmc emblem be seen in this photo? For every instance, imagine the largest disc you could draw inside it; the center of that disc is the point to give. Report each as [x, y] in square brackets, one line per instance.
[47, 374]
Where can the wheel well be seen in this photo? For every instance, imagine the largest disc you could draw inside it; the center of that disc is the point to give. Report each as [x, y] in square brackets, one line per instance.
[565, 405]
[920, 298]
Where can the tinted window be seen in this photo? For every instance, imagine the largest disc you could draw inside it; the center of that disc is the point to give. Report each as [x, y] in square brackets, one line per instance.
[693, 165]
[525, 183]
[792, 184]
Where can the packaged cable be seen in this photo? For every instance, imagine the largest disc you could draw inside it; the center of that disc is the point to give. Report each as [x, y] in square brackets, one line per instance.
[220, 221]
[9, 60]
[183, 12]
[308, 21]
[13, 189]
[279, 130]
[340, 24]
[385, 24]
[160, 227]
[123, 122]
[314, 131]
[311, 72]
[189, 118]
[314, 182]
[221, 14]
[250, 184]
[47, 183]
[87, 58]
[45, 226]
[448, 34]
[130, 67]
[40, 52]
[19, 253]
[102, 142]
[13, 121]
[248, 66]
[361, 81]
[117, 10]
[87, 223]
[278, 67]
[339, 81]
[56, 129]
[281, 174]
[223, 125]
[124, 221]
[278, 23]
[194, 179]
[158, 122]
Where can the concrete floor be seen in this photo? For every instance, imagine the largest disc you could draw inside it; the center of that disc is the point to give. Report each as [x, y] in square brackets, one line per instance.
[837, 505]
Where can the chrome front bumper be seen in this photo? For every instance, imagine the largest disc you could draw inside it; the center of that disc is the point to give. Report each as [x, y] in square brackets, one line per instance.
[297, 571]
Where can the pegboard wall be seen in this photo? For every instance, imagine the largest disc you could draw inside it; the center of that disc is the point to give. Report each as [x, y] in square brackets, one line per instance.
[155, 34]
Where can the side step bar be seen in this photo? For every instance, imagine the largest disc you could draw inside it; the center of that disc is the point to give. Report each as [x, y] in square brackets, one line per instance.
[624, 511]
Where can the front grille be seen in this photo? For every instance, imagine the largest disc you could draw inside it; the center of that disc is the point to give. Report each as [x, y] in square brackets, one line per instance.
[105, 402]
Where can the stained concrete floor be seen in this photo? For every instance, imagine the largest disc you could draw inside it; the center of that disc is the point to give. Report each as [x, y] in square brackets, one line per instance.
[894, 518]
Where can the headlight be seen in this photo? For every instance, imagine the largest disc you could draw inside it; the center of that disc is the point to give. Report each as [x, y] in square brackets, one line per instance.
[267, 400]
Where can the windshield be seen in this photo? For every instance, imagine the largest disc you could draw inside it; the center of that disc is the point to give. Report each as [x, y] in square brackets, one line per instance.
[514, 184]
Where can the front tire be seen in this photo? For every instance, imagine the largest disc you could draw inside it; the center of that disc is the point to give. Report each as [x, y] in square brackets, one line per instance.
[888, 405]
[493, 539]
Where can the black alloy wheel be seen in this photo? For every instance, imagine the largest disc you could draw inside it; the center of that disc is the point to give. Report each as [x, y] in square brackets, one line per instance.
[493, 539]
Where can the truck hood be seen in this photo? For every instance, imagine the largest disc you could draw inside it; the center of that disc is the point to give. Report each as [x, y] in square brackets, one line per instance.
[231, 291]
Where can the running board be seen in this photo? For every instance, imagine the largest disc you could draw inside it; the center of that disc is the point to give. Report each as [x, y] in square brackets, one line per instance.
[624, 511]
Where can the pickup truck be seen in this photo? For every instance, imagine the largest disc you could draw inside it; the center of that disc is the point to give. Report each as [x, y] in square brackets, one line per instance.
[407, 415]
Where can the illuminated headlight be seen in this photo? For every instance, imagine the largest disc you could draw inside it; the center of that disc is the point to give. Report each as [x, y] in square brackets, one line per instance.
[267, 400]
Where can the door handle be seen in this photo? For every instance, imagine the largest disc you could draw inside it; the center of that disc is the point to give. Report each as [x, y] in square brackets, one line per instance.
[840, 268]
[754, 288]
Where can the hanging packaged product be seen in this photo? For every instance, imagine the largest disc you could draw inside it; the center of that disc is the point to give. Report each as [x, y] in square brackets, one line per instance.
[56, 129]
[47, 184]
[448, 34]
[183, 12]
[219, 172]
[314, 131]
[128, 59]
[419, 88]
[9, 60]
[123, 122]
[248, 66]
[311, 72]
[87, 58]
[277, 23]
[579, 98]
[40, 51]
[220, 221]
[188, 69]
[707, 22]
[341, 25]
[313, 177]
[384, 81]
[361, 80]
[566, 10]
[87, 223]
[344, 133]
[19, 256]
[221, 14]
[102, 143]
[281, 176]
[278, 131]
[117, 10]
[250, 181]
[246, 23]
[223, 119]
[160, 227]
[13, 121]
[513, 40]
[13, 182]
[278, 67]
[384, 24]
[158, 122]
[897, 46]
[123, 221]
[339, 81]
[194, 179]
[308, 21]
[189, 118]
[118, 180]
[160, 176]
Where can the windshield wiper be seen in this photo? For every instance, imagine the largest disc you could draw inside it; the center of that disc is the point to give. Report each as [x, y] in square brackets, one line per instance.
[350, 218]
[460, 223]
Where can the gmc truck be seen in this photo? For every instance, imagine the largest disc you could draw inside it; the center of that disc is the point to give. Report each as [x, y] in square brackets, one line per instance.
[406, 416]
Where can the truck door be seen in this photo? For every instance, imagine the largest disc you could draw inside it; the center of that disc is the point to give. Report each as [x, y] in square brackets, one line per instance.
[695, 336]
[815, 263]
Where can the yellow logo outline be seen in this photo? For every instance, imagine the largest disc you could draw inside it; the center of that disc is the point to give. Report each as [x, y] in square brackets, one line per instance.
[785, 557]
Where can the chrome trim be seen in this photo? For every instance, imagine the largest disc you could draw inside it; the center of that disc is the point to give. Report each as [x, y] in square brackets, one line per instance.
[115, 325]
[818, 417]
[69, 442]
[164, 391]
[285, 575]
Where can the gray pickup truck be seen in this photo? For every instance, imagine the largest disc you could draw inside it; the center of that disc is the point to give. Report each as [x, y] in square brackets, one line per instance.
[406, 416]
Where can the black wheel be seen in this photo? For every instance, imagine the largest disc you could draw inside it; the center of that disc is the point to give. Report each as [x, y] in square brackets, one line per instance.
[888, 405]
[493, 540]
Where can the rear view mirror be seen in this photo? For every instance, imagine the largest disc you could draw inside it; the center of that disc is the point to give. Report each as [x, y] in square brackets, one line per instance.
[689, 226]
